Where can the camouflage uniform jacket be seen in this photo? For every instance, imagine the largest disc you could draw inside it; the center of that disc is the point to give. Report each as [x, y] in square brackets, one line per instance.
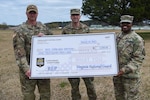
[70, 30]
[131, 53]
[22, 42]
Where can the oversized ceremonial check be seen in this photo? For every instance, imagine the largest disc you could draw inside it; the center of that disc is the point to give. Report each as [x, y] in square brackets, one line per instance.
[78, 55]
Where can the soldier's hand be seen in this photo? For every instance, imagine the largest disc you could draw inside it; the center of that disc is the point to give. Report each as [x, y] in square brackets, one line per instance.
[28, 73]
[40, 34]
[120, 73]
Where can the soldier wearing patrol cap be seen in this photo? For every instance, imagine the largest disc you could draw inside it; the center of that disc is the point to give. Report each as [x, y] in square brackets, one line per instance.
[131, 53]
[32, 8]
[75, 11]
[22, 48]
[126, 18]
[76, 27]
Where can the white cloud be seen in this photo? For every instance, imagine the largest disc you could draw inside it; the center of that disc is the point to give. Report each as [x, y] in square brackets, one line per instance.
[13, 12]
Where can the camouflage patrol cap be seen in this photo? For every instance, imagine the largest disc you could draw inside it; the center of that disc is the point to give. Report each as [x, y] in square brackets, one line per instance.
[126, 18]
[32, 8]
[75, 11]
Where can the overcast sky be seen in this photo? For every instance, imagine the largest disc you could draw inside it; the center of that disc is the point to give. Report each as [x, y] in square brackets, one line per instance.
[13, 11]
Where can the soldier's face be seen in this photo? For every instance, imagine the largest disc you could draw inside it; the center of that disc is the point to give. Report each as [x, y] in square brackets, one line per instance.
[75, 18]
[32, 16]
[126, 27]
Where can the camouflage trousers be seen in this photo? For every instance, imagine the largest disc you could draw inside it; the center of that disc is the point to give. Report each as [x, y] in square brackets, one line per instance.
[126, 88]
[28, 87]
[75, 92]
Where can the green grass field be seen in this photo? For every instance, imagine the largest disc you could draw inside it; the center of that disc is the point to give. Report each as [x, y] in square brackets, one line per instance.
[60, 87]
[145, 35]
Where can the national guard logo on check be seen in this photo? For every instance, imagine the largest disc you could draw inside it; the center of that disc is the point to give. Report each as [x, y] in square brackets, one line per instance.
[40, 62]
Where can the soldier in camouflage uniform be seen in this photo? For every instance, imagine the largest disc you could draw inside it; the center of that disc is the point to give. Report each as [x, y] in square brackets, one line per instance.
[131, 54]
[76, 27]
[22, 48]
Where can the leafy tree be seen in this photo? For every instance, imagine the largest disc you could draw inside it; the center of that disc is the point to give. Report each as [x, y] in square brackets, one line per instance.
[109, 11]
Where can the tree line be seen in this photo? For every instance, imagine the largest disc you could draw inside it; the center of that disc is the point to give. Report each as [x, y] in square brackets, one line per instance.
[109, 11]
[3, 26]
